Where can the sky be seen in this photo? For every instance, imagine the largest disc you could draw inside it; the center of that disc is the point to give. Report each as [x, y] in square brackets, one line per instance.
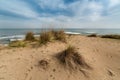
[60, 13]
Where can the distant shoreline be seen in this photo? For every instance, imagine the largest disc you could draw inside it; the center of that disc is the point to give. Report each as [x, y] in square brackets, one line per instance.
[8, 34]
[22, 37]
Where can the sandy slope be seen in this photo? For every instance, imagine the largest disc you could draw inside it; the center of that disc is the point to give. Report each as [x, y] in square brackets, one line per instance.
[103, 55]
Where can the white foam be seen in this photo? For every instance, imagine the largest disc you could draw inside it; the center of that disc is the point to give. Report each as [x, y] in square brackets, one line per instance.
[22, 37]
[13, 37]
[90, 32]
[36, 35]
[16, 40]
[71, 33]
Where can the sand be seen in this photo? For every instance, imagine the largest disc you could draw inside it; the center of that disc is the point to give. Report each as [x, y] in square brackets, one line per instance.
[103, 55]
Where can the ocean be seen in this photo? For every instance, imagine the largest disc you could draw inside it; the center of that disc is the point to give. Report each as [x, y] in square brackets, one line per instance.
[7, 34]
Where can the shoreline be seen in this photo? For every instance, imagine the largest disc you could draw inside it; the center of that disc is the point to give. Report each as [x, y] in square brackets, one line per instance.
[21, 37]
[68, 34]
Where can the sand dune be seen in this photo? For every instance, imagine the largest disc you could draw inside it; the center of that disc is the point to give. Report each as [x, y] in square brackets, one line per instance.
[103, 55]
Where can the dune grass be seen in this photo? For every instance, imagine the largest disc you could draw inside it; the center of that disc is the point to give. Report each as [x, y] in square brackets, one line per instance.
[46, 36]
[29, 36]
[92, 35]
[71, 58]
[17, 44]
[111, 36]
[60, 35]
[51, 35]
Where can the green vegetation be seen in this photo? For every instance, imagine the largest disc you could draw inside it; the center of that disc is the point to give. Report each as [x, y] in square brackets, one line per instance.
[45, 37]
[30, 36]
[48, 36]
[92, 35]
[17, 44]
[111, 36]
[60, 35]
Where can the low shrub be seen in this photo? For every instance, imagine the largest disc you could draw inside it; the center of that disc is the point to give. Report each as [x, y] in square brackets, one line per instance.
[71, 58]
[17, 44]
[92, 35]
[46, 36]
[111, 36]
[29, 36]
[60, 35]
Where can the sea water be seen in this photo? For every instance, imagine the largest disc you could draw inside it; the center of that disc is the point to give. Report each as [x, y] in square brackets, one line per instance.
[7, 34]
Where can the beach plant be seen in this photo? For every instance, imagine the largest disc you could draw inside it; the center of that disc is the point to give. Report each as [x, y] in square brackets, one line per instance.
[92, 35]
[51, 35]
[71, 59]
[60, 35]
[17, 44]
[29, 36]
[46, 36]
[111, 36]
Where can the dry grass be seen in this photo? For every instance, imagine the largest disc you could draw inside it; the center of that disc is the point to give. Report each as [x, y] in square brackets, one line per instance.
[17, 44]
[29, 36]
[111, 36]
[60, 35]
[46, 36]
[92, 35]
[71, 58]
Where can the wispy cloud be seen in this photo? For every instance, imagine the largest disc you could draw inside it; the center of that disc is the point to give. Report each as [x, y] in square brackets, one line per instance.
[17, 7]
[78, 13]
[114, 3]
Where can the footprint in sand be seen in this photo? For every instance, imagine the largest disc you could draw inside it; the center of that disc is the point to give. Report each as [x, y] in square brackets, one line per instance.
[118, 68]
[44, 64]
[51, 76]
[110, 73]
[3, 67]
[27, 74]
[2, 78]
[54, 70]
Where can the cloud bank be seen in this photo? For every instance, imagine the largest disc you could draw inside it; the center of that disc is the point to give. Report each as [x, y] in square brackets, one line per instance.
[65, 13]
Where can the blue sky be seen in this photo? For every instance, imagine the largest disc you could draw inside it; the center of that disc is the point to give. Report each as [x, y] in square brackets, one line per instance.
[60, 13]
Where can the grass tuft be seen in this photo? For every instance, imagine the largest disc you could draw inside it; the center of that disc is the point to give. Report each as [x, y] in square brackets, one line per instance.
[60, 35]
[48, 36]
[71, 58]
[17, 44]
[92, 35]
[45, 37]
[29, 36]
[111, 36]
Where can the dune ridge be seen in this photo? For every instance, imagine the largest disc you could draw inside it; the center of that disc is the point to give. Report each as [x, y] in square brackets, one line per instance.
[39, 63]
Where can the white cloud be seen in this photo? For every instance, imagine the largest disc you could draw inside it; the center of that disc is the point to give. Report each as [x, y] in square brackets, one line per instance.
[85, 14]
[96, 11]
[17, 7]
[52, 4]
[114, 3]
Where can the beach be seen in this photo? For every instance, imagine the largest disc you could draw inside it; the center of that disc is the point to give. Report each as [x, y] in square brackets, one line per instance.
[102, 54]
[59, 39]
